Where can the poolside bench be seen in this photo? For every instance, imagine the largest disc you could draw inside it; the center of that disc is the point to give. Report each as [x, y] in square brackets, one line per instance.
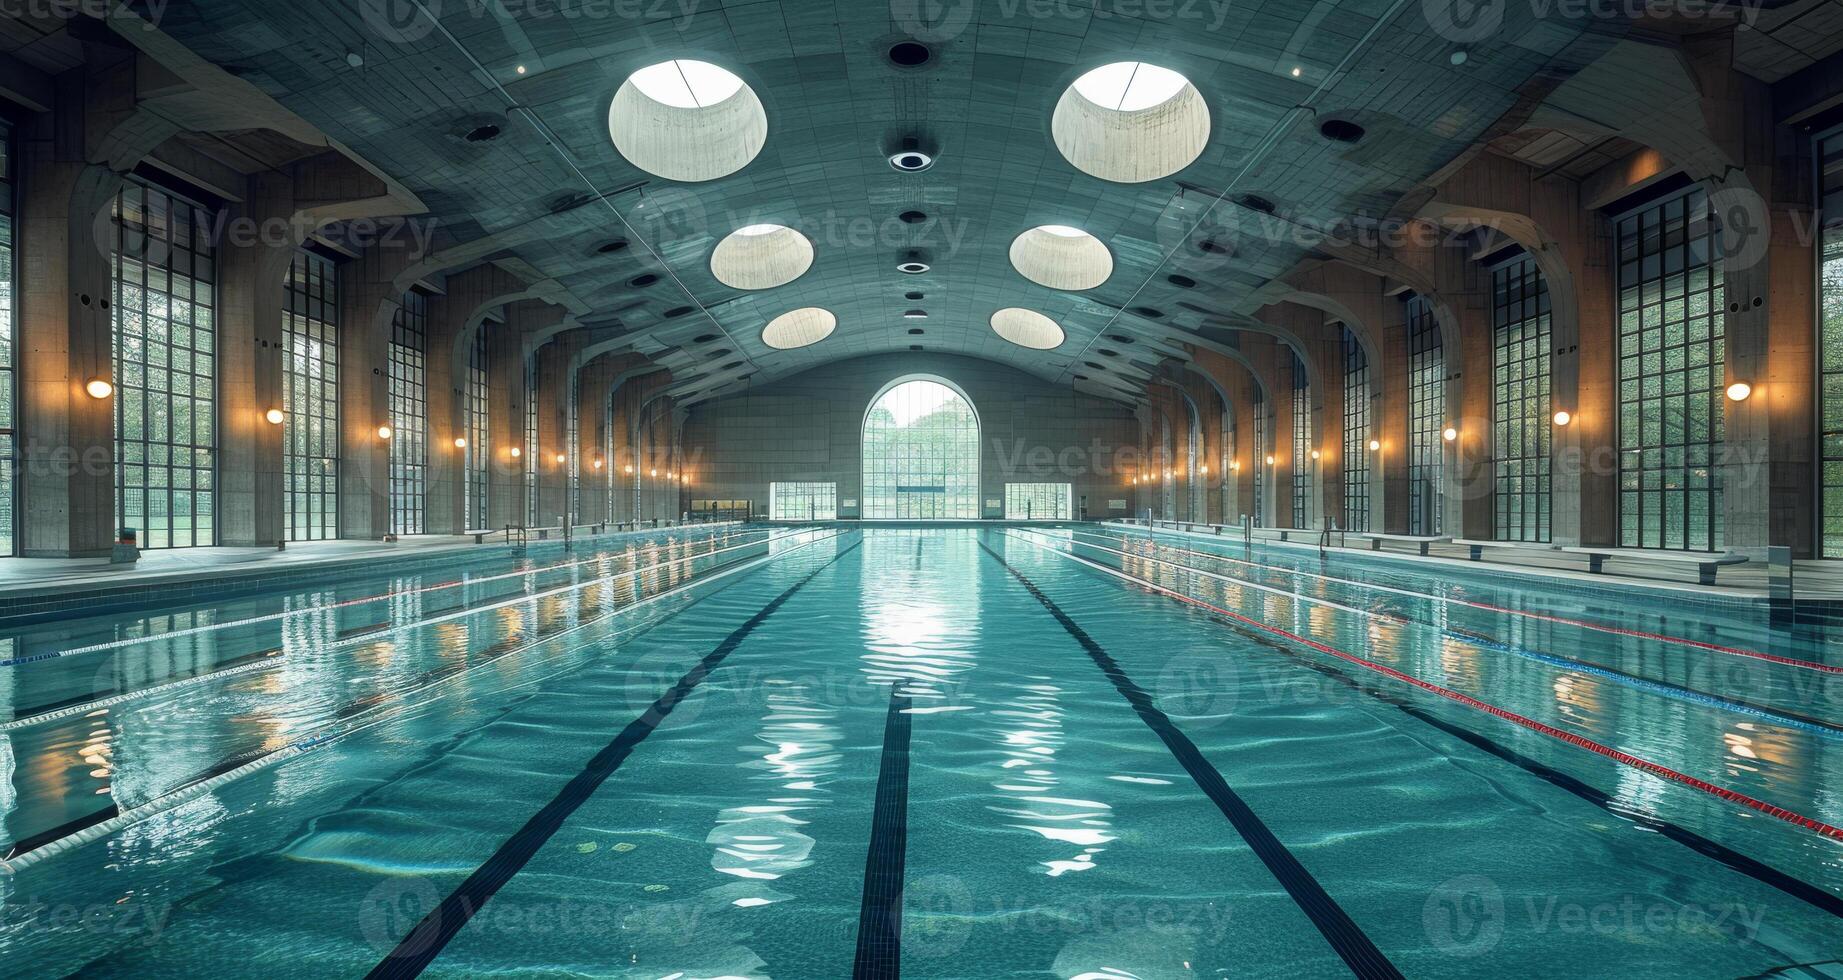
[1477, 548]
[1422, 540]
[1706, 562]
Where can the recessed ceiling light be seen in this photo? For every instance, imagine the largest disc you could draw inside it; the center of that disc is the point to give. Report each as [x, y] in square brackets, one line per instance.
[911, 161]
[355, 59]
[913, 268]
[1457, 57]
[1340, 130]
[915, 315]
[1297, 71]
[909, 54]
[521, 69]
[1130, 86]
[912, 295]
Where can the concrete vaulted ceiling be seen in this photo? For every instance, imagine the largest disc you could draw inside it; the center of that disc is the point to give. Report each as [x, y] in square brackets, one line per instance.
[838, 106]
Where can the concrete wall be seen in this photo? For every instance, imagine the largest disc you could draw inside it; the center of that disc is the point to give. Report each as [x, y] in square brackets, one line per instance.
[808, 428]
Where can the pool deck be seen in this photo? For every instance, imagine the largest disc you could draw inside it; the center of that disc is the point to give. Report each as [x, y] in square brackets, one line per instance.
[30, 578]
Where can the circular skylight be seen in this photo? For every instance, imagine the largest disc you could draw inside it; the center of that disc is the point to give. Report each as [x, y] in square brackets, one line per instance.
[1027, 328]
[686, 84]
[1129, 86]
[687, 120]
[799, 328]
[1061, 257]
[761, 257]
[1131, 122]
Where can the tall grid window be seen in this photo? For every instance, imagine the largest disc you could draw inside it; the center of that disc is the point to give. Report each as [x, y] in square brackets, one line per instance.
[165, 368]
[1671, 368]
[310, 396]
[531, 441]
[1520, 400]
[409, 414]
[1259, 460]
[478, 449]
[802, 501]
[1356, 433]
[1037, 501]
[1302, 443]
[1830, 345]
[1426, 419]
[9, 458]
[921, 454]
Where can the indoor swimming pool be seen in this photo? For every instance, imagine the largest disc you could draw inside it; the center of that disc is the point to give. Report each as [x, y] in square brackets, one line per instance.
[1078, 751]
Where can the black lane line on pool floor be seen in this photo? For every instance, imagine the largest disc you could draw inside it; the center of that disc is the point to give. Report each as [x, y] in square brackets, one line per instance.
[430, 936]
[879, 947]
[1759, 871]
[1345, 937]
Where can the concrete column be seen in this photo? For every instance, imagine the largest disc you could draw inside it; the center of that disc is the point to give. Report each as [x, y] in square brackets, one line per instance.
[72, 162]
[455, 320]
[1388, 467]
[554, 408]
[252, 283]
[370, 294]
[505, 413]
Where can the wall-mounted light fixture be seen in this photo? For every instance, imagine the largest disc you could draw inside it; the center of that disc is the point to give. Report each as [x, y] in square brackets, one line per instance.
[1449, 434]
[1374, 445]
[517, 452]
[384, 432]
[460, 443]
[98, 388]
[1563, 418]
[1738, 391]
[274, 415]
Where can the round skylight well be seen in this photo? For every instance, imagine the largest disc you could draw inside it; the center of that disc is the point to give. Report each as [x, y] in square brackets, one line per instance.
[761, 256]
[687, 120]
[1027, 328]
[1061, 257]
[1131, 122]
[799, 328]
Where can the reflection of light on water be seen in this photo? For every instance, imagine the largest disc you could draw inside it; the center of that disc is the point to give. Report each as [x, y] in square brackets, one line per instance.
[1029, 751]
[796, 746]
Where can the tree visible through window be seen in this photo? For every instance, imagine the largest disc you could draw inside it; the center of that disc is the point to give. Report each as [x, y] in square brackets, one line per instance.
[921, 454]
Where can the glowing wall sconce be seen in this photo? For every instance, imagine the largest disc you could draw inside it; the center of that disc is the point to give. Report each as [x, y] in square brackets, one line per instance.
[1739, 391]
[517, 452]
[460, 443]
[274, 416]
[384, 432]
[1562, 417]
[1270, 461]
[561, 458]
[98, 388]
[1450, 434]
[1374, 446]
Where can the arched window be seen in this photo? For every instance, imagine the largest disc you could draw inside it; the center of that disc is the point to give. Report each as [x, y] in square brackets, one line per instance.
[921, 453]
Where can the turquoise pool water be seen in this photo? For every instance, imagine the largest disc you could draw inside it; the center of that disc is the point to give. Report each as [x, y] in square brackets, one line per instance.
[952, 752]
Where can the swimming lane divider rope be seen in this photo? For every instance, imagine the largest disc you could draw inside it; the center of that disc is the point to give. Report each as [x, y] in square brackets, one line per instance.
[1767, 713]
[112, 819]
[879, 944]
[1623, 758]
[272, 659]
[1771, 658]
[130, 641]
[1346, 938]
[423, 943]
